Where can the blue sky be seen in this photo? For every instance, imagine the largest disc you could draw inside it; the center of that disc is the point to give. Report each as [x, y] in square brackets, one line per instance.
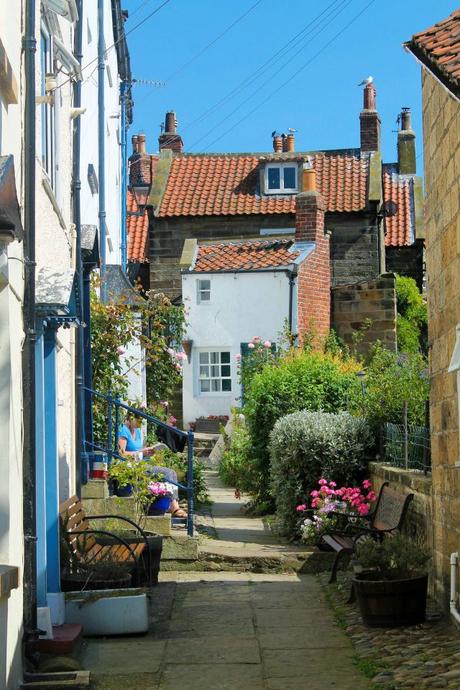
[253, 84]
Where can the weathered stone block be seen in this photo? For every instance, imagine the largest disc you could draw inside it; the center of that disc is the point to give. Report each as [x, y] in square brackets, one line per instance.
[95, 488]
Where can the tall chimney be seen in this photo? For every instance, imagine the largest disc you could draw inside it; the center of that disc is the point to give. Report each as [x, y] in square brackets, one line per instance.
[370, 121]
[314, 273]
[134, 142]
[169, 139]
[406, 144]
[140, 163]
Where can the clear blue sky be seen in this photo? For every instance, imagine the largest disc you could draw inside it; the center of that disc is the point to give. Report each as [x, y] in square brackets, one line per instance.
[321, 101]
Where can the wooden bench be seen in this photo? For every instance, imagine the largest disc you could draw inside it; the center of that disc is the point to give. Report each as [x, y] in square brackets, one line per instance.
[386, 519]
[87, 545]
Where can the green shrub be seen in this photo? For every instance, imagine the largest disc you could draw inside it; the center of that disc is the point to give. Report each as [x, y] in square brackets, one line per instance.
[235, 463]
[391, 380]
[412, 316]
[305, 380]
[305, 446]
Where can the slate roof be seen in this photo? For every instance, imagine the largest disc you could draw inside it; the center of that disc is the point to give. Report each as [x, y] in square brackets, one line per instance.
[400, 228]
[244, 255]
[229, 185]
[438, 47]
[138, 231]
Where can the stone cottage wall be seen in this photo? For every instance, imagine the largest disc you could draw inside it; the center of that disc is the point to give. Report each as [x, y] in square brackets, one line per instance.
[441, 124]
[368, 302]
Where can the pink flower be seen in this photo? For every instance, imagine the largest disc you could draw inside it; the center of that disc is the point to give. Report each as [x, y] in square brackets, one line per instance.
[256, 339]
[164, 403]
[251, 346]
[332, 484]
[172, 420]
[142, 405]
[178, 367]
[120, 350]
[314, 493]
[367, 484]
[267, 344]
[181, 355]
[301, 508]
[322, 482]
[363, 509]
[238, 358]
[371, 496]
[315, 503]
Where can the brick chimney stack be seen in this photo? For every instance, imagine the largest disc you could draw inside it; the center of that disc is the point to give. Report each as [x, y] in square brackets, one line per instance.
[169, 139]
[370, 121]
[140, 163]
[406, 144]
[277, 143]
[314, 276]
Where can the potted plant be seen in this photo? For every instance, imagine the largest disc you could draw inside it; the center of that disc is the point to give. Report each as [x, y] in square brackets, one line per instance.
[161, 494]
[391, 587]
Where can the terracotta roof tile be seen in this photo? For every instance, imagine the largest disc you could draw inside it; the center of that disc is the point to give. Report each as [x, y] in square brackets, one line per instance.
[138, 231]
[439, 45]
[399, 189]
[229, 185]
[246, 255]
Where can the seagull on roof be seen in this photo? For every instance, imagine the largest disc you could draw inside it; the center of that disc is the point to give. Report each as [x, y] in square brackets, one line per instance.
[367, 81]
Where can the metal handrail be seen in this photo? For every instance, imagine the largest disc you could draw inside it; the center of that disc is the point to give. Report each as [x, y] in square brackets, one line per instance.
[112, 443]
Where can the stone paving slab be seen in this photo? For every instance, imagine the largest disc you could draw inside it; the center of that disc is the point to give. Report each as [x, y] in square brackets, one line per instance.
[212, 677]
[225, 649]
[123, 655]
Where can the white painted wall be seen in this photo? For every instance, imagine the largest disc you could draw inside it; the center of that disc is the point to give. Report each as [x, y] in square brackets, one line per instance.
[89, 132]
[11, 336]
[242, 306]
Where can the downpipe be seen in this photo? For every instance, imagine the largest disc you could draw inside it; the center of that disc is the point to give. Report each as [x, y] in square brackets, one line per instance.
[453, 586]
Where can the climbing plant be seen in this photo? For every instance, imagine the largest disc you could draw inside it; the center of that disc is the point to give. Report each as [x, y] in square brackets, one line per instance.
[412, 316]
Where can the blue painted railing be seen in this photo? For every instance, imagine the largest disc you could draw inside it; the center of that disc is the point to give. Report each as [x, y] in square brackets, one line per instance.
[114, 405]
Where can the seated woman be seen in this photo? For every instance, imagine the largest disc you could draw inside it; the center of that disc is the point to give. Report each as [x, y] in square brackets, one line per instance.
[130, 443]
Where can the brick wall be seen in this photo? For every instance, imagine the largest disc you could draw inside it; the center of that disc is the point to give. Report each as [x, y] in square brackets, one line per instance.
[371, 300]
[314, 277]
[441, 125]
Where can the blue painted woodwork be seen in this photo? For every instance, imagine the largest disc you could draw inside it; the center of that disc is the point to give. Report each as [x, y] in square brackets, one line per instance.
[40, 475]
[124, 169]
[51, 463]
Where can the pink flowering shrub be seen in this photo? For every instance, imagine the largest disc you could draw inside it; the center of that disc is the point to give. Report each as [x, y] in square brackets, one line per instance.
[260, 353]
[328, 500]
[159, 489]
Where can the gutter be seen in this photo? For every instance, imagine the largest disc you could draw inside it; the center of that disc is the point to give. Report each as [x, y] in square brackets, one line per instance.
[29, 44]
[101, 143]
[292, 275]
[81, 469]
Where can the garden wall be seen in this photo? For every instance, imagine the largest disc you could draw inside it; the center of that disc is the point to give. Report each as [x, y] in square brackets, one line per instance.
[420, 516]
[367, 302]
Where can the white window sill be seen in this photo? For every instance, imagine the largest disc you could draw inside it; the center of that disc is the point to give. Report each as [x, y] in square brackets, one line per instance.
[281, 192]
[9, 579]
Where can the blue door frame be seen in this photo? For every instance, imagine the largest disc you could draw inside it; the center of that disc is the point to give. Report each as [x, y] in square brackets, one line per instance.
[47, 465]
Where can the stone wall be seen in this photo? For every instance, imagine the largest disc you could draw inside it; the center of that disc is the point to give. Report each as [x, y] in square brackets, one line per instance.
[368, 302]
[419, 521]
[441, 124]
[407, 261]
[354, 245]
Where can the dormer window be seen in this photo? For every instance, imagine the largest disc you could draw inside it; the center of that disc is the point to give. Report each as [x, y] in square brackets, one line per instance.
[281, 178]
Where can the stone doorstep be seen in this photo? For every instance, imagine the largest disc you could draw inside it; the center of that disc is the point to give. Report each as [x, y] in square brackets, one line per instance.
[124, 507]
[65, 639]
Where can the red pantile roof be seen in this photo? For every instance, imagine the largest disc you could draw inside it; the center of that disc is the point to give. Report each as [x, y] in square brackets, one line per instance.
[217, 185]
[245, 255]
[399, 189]
[439, 49]
[138, 231]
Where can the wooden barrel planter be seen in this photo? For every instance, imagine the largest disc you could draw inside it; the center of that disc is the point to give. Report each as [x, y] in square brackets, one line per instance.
[391, 603]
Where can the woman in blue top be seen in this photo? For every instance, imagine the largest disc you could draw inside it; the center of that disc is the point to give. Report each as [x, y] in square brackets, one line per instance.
[130, 443]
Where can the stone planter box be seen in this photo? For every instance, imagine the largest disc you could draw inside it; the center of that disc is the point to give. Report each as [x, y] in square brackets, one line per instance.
[108, 612]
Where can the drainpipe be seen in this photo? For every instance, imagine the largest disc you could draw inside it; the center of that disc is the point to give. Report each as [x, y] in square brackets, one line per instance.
[292, 275]
[124, 157]
[28, 355]
[101, 135]
[81, 458]
[453, 586]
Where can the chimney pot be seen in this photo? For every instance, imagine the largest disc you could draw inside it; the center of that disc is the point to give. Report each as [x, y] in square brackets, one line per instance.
[370, 121]
[406, 145]
[406, 119]
[141, 143]
[309, 179]
[134, 142]
[277, 143]
[289, 143]
[170, 122]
